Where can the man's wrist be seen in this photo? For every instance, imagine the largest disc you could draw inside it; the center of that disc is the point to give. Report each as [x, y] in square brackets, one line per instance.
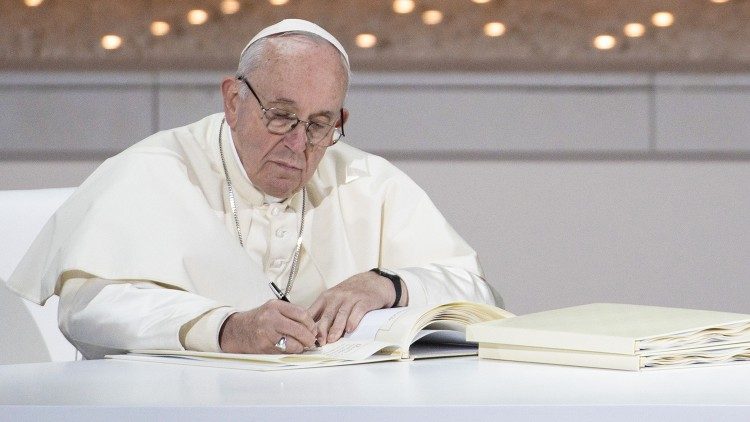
[203, 334]
[395, 280]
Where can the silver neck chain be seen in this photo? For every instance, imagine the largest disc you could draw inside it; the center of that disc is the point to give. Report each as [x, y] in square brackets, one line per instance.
[233, 204]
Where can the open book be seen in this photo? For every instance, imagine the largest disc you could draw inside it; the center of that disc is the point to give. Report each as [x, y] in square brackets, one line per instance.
[617, 336]
[386, 334]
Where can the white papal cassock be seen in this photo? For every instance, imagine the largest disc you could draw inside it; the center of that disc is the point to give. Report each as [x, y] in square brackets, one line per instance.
[145, 253]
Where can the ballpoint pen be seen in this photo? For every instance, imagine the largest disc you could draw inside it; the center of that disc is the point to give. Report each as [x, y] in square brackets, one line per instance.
[281, 296]
[277, 292]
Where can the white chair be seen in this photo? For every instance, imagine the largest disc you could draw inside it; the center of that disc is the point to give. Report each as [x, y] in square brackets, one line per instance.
[29, 331]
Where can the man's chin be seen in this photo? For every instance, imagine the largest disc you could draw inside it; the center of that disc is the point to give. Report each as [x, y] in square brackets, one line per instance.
[281, 190]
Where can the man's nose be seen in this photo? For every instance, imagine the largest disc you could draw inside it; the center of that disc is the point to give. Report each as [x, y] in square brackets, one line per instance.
[296, 139]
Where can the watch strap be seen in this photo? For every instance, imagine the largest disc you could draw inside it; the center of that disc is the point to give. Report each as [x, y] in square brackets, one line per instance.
[395, 279]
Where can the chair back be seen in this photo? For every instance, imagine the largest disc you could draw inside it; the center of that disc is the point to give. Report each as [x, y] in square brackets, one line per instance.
[32, 328]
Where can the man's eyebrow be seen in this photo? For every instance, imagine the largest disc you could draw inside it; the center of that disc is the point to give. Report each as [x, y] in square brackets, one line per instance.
[291, 103]
[327, 114]
[282, 100]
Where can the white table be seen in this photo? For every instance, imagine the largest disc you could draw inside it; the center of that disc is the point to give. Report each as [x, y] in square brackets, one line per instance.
[454, 389]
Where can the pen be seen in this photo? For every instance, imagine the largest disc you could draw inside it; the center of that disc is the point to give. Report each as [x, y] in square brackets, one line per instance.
[277, 292]
[281, 296]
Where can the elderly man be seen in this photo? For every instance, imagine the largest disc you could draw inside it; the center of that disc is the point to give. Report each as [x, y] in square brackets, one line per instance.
[250, 231]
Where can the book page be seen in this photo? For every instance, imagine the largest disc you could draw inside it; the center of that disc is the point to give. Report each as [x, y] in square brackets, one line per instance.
[348, 349]
[700, 356]
[731, 333]
[246, 364]
[392, 326]
[402, 328]
[372, 321]
[278, 359]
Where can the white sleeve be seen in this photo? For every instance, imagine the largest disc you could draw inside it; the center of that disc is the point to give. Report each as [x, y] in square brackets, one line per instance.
[433, 284]
[101, 317]
[419, 245]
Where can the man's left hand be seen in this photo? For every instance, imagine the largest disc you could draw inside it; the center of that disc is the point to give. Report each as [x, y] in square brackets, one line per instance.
[342, 307]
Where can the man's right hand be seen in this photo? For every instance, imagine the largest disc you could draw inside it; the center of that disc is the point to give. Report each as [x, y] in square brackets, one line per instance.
[259, 329]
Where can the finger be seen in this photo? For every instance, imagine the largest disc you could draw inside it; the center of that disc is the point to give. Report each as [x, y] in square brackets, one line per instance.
[297, 313]
[355, 317]
[301, 334]
[325, 322]
[323, 325]
[339, 323]
[292, 345]
[316, 309]
[290, 327]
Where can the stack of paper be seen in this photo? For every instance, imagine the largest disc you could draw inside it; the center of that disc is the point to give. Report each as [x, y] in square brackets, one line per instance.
[617, 336]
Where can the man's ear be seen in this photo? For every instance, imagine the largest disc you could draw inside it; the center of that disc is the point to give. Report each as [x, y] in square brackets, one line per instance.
[231, 97]
[346, 116]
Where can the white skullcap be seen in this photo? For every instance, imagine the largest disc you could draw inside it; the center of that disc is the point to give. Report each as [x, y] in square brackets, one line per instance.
[298, 25]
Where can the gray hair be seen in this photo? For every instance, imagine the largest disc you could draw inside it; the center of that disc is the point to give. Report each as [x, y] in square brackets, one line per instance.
[252, 58]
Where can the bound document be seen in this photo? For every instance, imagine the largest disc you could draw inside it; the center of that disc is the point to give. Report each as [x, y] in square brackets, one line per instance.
[617, 336]
[387, 334]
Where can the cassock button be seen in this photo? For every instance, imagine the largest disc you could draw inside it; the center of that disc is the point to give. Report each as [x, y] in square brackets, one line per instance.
[277, 263]
[275, 211]
[281, 233]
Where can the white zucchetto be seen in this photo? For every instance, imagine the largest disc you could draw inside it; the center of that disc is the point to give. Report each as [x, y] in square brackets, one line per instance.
[299, 25]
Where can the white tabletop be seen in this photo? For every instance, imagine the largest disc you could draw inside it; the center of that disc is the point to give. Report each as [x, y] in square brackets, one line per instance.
[432, 389]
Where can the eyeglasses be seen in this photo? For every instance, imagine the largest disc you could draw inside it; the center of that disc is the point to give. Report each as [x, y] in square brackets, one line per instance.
[281, 122]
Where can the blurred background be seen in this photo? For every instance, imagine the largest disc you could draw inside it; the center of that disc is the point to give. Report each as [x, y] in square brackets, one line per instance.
[589, 150]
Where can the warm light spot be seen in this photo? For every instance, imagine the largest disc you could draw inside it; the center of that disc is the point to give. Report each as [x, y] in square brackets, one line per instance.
[33, 3]
[719, 1]
[403, 6]
[605, 42]
[159, 28]
[662, 19]
[432, 17]
[494, 29]
[634, 30]
[229, 7]
[197, 17]
[111, 42]
[278, 2]
[481, 1]
[366, 40]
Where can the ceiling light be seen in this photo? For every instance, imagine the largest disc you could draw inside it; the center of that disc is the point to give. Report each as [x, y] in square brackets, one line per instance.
[111, 42]
[481, 1]
[197, 17]
[662, 19]
[159, 28]
[278, 2]
[634, 30]
[494, 29]
[403, 6]
[432, 17]
[229, 7]
[605, 42]
[366, 40]
[719, 1]
[33, 3]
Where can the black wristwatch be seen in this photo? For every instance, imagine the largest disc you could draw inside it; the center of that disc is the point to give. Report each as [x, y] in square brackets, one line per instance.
[395, 279]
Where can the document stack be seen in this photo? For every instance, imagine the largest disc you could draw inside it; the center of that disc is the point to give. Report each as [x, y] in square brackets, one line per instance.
[617, 336]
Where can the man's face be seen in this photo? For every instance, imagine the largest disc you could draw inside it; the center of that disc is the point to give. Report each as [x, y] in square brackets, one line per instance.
[299, 77]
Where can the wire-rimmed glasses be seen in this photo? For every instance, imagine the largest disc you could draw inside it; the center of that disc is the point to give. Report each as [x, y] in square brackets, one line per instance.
[280, 122]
